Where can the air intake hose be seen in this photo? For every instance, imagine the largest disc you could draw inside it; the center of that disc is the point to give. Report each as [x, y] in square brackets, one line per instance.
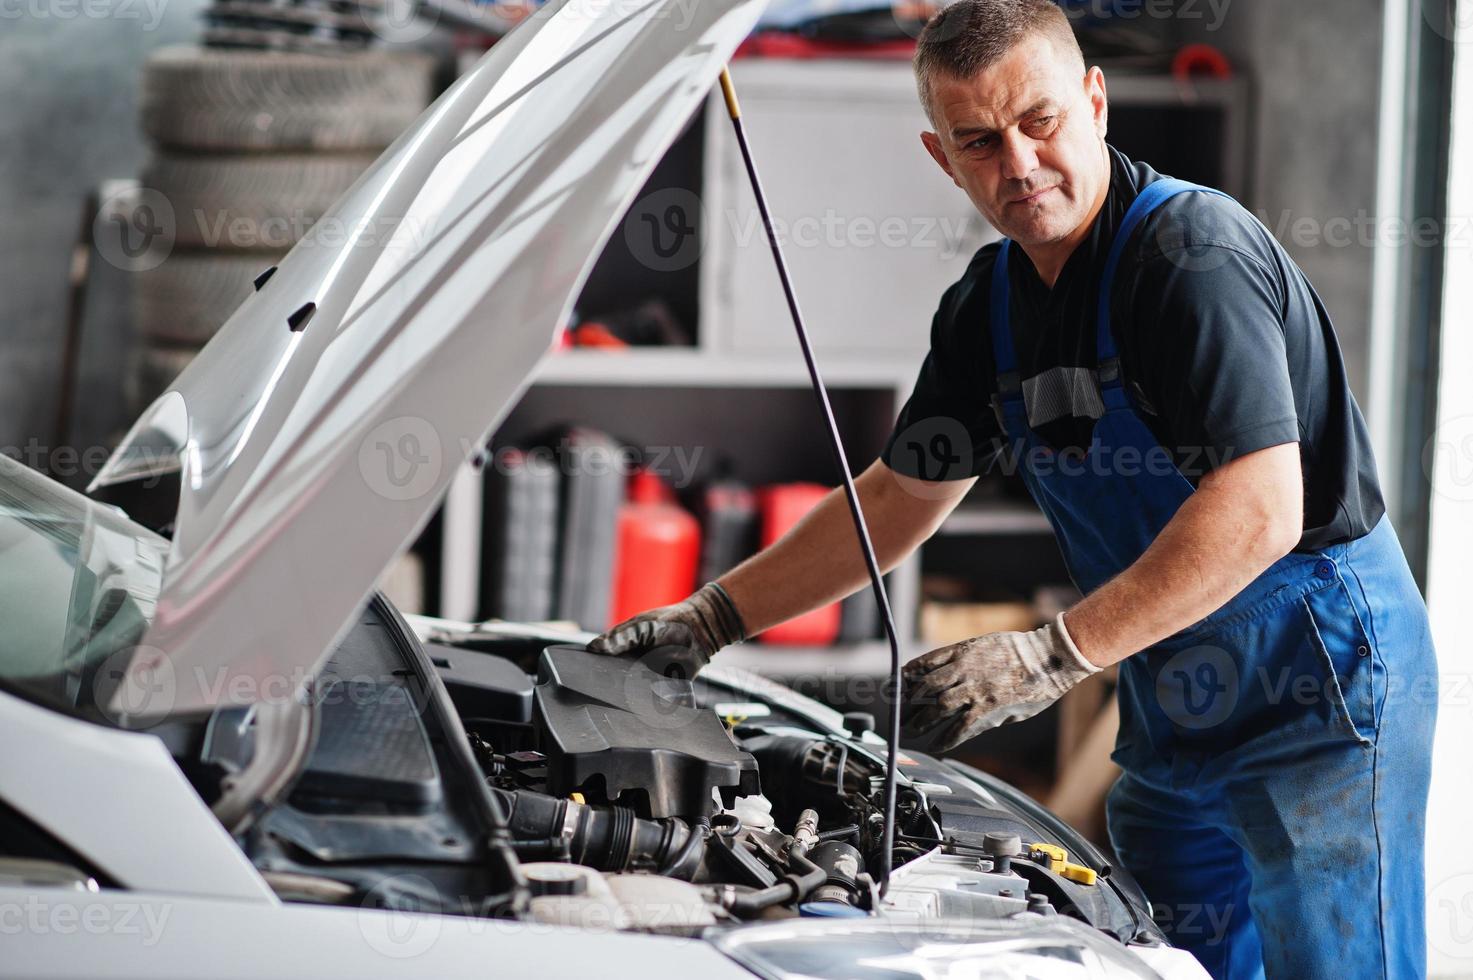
[606, 837]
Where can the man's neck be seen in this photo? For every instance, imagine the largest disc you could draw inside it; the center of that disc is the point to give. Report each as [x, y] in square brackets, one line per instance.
[1048, 258]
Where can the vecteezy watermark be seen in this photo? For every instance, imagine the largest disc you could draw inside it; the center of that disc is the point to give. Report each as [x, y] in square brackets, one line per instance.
[215, 229]
[400, 916]
[1447, 458]
[407, 21]
[1199, 923]
[149, 12]
[940, 448]
[912, 15]
[135, 686]
[677, 465]
[402, 458]
[935, 450]
[946, 235]
[403, 21]
[66, 462]
[73, 915]
[664, 231]
[1212, 13]
[1450, 916]
[1362, 229]
[1198, 687]
[134, 229]
[1449, 19]
[669, 230]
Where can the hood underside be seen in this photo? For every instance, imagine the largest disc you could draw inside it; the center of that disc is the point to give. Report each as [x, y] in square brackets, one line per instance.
[317, 432]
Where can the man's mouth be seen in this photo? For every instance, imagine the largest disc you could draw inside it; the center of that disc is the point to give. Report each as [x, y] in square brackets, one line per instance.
[1031, 198]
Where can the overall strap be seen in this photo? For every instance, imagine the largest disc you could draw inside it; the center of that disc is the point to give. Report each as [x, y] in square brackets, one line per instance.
[1154, 195]
[1000, 322]
[1005, 359]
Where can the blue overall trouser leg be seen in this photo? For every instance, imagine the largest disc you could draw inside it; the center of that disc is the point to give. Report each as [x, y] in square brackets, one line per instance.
[1277, 754]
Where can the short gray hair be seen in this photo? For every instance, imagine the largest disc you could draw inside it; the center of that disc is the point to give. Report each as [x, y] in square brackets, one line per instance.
[970, 36]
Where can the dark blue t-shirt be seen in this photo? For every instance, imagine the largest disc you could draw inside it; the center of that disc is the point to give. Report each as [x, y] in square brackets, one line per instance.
[1224, 346]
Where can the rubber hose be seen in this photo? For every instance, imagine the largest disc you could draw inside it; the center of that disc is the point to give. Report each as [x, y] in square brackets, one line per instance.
[609, 838]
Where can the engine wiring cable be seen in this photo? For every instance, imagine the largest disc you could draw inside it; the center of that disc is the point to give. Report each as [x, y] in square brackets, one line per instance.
[861, 529]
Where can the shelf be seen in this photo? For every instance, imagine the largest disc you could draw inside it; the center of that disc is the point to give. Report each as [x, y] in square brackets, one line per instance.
[995, 519]
[694, 367]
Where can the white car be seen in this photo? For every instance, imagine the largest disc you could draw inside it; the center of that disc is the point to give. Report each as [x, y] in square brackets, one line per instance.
[226, 756]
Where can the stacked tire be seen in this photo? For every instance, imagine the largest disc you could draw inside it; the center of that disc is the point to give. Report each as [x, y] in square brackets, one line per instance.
[250, 148]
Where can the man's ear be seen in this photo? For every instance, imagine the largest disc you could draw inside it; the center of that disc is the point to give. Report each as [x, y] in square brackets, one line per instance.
[1094, 90]
[933, 146]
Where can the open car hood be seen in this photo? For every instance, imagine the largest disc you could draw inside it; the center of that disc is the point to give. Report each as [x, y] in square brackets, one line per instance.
[319, 429]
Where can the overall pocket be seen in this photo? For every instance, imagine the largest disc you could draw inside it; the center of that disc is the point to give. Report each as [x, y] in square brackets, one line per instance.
[1340, 639]
[1277, 677]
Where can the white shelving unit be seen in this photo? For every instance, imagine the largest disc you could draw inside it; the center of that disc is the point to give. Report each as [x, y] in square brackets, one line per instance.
[837, 146]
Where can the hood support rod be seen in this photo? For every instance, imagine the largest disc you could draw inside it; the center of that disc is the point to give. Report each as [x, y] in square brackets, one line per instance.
[861, 529]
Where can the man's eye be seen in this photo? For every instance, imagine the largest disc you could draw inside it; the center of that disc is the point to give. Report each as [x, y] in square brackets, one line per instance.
[980, 143]
[1042, 124]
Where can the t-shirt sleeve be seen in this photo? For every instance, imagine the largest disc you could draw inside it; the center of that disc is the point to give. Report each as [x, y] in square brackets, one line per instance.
[1210, 339]
[946, 429]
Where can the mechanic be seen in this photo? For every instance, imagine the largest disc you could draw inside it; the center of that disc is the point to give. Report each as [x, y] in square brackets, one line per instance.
[1170, 388]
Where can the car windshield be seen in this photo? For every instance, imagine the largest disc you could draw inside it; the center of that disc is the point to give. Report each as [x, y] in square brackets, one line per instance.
[79, 583]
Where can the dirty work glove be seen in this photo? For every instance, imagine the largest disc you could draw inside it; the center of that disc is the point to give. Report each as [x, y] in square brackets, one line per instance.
[988, 681]
[678, 639]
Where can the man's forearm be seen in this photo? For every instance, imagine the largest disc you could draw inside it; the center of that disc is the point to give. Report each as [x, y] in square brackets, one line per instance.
[819, 560]
[1221, 538]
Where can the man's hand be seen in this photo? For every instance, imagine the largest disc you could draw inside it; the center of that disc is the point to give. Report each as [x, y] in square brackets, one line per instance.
[990, 680]
[684, 636]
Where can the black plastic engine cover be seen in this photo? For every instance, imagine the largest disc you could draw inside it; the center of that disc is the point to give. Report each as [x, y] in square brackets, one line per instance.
[613, 721]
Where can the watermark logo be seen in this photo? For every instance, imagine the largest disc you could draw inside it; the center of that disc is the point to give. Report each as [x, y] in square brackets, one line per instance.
[401, 21]
[1450, 916]
[1212, 13]
[133, 683]
[134, 229]
[70, 916]
[401, 459]
[1449, 19]
[1204, 923]
[935, 450]
[912, 15]
[1189, 237]
[664, 230]
[1198, 687]
[149, 12]
[662, 688]
[399, 919]
[1447, 459]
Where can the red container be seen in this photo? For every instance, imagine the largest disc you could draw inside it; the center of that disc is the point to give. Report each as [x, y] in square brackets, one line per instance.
[784, 505]
[658, 549]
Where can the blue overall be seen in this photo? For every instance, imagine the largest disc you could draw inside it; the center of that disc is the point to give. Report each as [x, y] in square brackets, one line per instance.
[1276, 754]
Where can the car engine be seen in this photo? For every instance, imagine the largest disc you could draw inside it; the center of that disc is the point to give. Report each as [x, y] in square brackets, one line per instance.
[634, 800]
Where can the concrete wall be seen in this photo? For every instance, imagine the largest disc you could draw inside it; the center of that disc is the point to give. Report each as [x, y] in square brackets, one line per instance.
[68, 120]
[1315, 68]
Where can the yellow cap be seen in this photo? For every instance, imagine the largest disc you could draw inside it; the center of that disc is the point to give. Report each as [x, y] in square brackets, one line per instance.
[1079, 873]
[577, 798]
[1057, 856]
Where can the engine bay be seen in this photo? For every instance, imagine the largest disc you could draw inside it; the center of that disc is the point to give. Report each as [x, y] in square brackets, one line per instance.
[631, 800]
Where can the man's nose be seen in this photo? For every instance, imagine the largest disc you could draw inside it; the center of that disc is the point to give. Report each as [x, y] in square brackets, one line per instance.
[1018, 158]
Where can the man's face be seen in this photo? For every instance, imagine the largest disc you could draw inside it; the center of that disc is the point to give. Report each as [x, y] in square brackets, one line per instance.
[1025, 140]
